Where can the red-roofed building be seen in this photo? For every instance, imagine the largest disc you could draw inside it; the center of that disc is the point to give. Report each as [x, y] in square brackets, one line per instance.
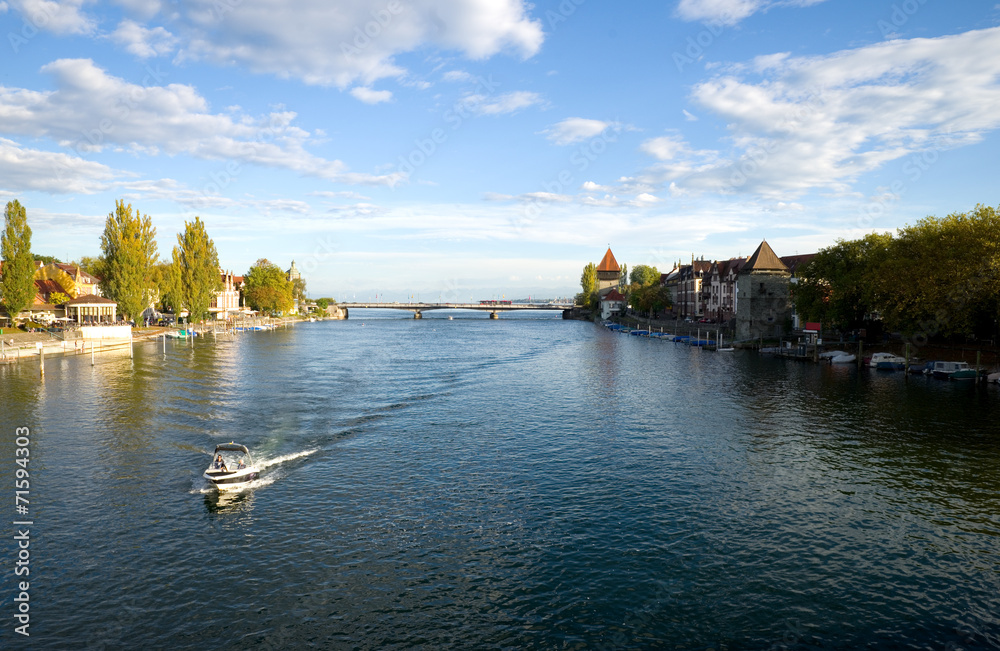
[608, 272]
[612, 304]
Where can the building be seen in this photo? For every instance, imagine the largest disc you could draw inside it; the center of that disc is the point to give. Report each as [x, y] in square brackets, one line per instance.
[688, 295]
[608, 273]
[612, 303]
[719, 289]
[90, 309]
[763, 298]
[226, 301]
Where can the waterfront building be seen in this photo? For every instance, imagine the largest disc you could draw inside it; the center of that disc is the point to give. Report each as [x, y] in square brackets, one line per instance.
[689, 300]
[720, 289]
[89, 309]
[763, 299]
[608, 273]
[226, 301]
[612, 304]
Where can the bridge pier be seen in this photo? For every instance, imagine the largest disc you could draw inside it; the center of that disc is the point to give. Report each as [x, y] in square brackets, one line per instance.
[494, 315]
[417, 314]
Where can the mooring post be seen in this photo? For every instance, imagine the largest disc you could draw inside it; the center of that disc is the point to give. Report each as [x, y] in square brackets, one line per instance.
[41, 362]
[91, 352]
[977, 365]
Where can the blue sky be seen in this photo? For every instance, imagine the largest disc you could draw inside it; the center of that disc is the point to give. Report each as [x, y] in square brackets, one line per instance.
[468, 149]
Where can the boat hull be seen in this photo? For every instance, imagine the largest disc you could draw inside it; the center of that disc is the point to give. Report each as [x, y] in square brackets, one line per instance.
[231, 480]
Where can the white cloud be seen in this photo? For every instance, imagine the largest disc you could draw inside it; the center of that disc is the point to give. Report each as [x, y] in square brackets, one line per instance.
[24, 170]
[574, 130]
[665, 147]
[457, 76]
[342, 43]
[479, 104]
[142, 42]
[689, 117]
[731, 12]
[821, 122]
[63, 17]
[369, 96]
[90, 111]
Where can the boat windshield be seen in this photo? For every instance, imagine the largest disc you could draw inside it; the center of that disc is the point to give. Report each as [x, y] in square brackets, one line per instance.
[235, 457]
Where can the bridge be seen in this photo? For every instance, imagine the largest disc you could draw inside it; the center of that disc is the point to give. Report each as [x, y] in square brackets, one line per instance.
[492, 308]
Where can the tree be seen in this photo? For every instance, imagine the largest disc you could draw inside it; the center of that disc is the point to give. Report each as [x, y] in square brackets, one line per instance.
[299, 288]
[18, 281]
[58, 298]
[623, 279]
[47, 259]
[588, 282]
[196, 270]
[322, 303]
[843, 285]
[266, 288]
[165, 280]
[644, 275]
[128, 252]
[90, 265]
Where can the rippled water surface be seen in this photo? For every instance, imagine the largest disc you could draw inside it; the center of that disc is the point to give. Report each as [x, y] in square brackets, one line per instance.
[522, 483]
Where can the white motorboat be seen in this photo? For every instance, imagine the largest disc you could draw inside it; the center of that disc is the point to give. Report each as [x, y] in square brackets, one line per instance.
[830, 354]
[887, 362]
[231, 467]
[845, 358]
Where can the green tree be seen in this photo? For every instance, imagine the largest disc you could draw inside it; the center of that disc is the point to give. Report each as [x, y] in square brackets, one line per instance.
[196, 270]
[942, 276]
[588, 283]
[843, 286]
[299, 288]
[165, 279]
[623, 279]
[267, 288]
[644, 275]
[322, 303]
[47, 259]
[58, 298]
[18, 282]
[128, 253]
[90, 265]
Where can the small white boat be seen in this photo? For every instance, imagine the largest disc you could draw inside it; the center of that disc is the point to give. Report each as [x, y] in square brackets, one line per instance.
[844, 358]
[887, 362]
[231, 467]
[830, 354]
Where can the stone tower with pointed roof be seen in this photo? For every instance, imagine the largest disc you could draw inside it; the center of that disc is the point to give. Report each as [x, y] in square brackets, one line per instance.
[608, 272]
[763, 300]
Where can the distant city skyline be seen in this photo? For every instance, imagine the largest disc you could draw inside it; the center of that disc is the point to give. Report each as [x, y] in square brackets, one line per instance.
[483, 148]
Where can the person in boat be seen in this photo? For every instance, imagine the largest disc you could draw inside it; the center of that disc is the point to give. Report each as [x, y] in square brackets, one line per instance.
[219, 463]
[241, 465]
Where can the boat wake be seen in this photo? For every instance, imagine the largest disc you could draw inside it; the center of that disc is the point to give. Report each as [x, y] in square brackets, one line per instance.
[267, 463]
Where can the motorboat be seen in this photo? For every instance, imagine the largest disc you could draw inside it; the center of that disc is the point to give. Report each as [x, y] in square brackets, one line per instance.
[231, 467]
[844, 358]
[953, 371]
[830, 354]
[887, 362]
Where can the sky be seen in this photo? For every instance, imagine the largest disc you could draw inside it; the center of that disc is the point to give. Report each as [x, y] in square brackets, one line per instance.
[471, 149]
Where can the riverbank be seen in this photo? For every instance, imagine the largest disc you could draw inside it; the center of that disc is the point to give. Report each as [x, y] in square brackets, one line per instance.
[17, 346]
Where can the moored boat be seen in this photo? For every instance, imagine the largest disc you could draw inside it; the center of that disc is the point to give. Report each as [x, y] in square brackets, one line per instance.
[844, 358]
[953, 371]
[887, 362]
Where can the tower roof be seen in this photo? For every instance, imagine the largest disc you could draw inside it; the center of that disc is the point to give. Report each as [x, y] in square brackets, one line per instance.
[608, 262]
[764, 259]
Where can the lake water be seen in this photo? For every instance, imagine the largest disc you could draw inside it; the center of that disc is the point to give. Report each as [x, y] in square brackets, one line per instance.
[526, 482]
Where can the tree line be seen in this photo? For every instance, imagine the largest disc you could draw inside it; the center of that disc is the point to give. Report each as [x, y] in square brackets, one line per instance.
[937, 278]
[131, 274]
